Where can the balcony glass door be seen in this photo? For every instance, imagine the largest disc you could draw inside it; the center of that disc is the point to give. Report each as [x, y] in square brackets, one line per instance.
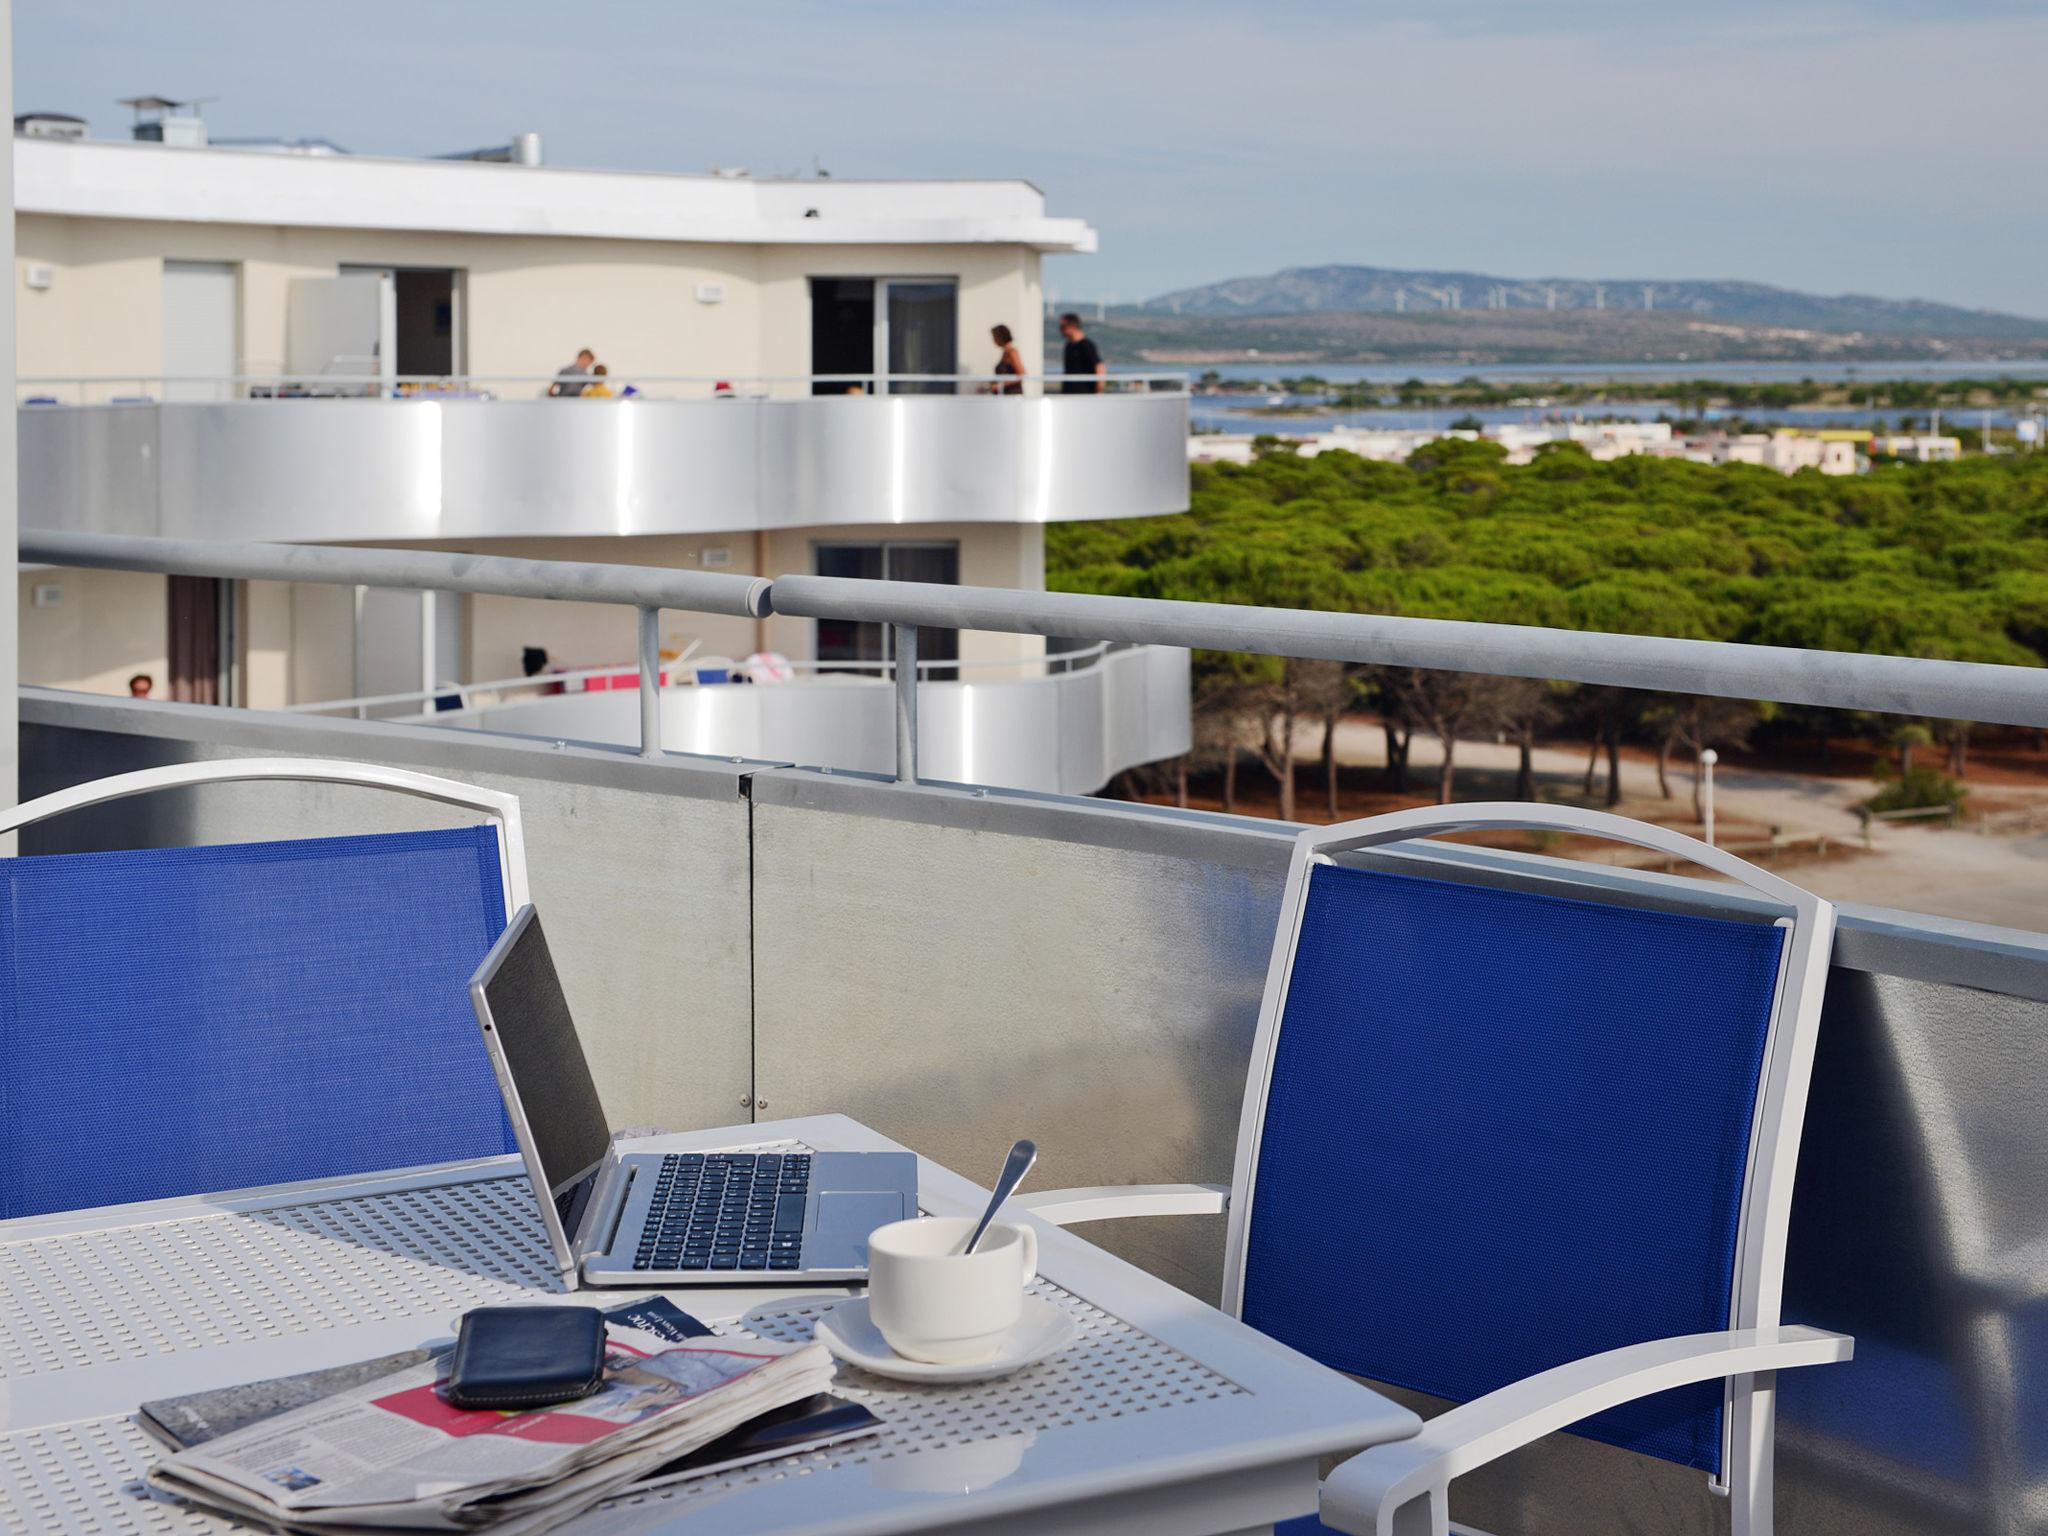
[200, 303]
[844, 640]
[921, 333]
[867, 327]
[342, 329]
[843, 334]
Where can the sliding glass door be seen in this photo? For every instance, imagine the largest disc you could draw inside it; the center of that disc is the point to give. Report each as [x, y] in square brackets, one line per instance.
[865, 327]
[842, 640]
[921, 334]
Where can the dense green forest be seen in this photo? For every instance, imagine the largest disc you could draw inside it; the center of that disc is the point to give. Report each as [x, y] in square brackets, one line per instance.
[1943, 560]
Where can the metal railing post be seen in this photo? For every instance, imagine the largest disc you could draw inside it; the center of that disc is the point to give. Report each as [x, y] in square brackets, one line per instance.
[355, 664]
[906, 703]
[650, 682]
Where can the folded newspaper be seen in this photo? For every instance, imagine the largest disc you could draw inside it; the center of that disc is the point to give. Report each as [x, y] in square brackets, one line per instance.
[394, 1454]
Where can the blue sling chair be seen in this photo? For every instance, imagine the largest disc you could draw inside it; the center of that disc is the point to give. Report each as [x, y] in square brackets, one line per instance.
[1526, 1146]
[178, 1021]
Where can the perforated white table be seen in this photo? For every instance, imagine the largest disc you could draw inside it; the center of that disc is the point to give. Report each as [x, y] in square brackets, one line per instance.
[1163, 1416]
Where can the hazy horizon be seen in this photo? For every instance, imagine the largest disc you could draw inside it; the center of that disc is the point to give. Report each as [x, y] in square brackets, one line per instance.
[1886, 148]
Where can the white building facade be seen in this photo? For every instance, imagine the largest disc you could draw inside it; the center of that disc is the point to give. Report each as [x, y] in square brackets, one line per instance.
[223, 343]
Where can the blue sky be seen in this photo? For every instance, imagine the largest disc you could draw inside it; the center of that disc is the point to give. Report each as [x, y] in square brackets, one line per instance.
[1883, 147]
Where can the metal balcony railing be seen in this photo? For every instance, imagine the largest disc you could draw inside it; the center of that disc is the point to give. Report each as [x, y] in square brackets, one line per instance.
[1955, 690]
[360, 380]
[686, 669]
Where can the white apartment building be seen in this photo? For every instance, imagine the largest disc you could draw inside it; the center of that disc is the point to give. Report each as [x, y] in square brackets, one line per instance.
[1920, 448]
[230, 343]
[1786, 451]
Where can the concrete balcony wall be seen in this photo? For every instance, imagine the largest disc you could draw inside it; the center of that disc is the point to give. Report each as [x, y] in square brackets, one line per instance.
[960, 968]
[399, 470]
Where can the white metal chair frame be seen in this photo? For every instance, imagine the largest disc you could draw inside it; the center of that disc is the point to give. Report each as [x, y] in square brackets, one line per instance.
[502, 808]
[1402, 1489]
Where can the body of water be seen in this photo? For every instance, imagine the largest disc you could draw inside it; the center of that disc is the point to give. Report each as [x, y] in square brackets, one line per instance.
[1240, 413]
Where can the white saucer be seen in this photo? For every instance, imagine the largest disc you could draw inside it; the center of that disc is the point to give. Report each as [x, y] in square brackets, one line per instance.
[851, 1335]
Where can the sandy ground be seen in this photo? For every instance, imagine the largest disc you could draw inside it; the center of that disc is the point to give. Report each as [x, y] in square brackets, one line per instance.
[1948, 872]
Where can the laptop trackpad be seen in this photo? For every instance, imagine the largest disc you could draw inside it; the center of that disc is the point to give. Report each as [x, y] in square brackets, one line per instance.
[840, 1223]
[856, 1213]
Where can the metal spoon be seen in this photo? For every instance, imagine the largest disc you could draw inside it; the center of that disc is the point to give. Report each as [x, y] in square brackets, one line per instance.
[1015, 1166]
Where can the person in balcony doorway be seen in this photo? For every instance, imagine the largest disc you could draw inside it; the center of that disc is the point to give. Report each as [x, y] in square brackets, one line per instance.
[140, 685]
[569, 382]
[534, 661]
[600, 385]
[1083, 365]
[1010, 364]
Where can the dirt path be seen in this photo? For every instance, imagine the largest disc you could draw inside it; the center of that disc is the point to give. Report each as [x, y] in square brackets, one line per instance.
[1942, 871]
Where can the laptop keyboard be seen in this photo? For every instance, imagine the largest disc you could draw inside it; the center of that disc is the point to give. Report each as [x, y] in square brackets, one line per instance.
[726, 1210]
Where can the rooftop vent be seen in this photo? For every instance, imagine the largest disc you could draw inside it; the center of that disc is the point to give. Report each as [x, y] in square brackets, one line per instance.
[49, 125]
[160, 120]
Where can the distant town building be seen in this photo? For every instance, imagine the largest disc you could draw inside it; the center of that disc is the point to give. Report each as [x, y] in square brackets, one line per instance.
[1917, 449]
[1788, 451]
[1388, 445]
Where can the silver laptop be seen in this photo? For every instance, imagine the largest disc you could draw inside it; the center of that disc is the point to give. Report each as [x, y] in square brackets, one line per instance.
[663, 1219]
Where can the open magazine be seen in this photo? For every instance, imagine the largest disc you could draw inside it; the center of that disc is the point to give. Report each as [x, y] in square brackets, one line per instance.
[393, 1453]
[196, 1417]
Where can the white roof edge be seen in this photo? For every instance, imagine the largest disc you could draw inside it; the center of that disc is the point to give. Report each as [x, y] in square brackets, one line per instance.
[97, 179]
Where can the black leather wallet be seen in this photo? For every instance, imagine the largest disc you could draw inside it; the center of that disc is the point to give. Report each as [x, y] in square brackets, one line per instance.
[527, 1357]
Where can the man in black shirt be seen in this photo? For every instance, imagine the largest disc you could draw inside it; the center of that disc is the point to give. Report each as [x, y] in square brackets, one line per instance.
[569, 382]
[1085, 369]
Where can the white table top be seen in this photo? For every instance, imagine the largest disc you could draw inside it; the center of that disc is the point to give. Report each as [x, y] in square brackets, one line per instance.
[1165, 1415]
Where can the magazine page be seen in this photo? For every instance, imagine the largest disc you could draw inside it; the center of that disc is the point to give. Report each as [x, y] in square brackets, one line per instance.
[196, 1417]
[397, 1447]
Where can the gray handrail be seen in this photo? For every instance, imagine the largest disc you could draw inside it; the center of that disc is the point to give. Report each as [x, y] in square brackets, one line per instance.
[648, 589]
[639, 586]
[1903, 685]
[1906, 685]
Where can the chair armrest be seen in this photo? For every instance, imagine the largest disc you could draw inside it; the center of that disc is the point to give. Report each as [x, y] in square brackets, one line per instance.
[1064, 1207]
[1376, 1492]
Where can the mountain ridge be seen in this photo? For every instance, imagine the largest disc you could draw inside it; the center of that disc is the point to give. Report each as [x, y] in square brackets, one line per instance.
[1338, 288]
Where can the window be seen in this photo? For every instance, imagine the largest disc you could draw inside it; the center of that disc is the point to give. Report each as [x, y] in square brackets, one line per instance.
[897, 324]
[842, 640]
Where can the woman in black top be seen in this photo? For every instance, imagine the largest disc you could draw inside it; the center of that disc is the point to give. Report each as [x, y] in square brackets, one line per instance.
[1010, 364]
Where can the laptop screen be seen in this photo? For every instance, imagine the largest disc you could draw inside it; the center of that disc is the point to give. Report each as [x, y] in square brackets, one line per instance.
[564, 1127]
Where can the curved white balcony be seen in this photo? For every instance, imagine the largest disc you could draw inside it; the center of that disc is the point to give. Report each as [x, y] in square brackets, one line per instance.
[1065, 726]
[433, 467]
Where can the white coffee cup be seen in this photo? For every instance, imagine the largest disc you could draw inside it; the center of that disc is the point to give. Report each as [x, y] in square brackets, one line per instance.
[934, 1303]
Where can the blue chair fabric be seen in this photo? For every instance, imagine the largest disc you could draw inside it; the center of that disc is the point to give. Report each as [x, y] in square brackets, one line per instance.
[1508, 1129]
[190, 1020]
